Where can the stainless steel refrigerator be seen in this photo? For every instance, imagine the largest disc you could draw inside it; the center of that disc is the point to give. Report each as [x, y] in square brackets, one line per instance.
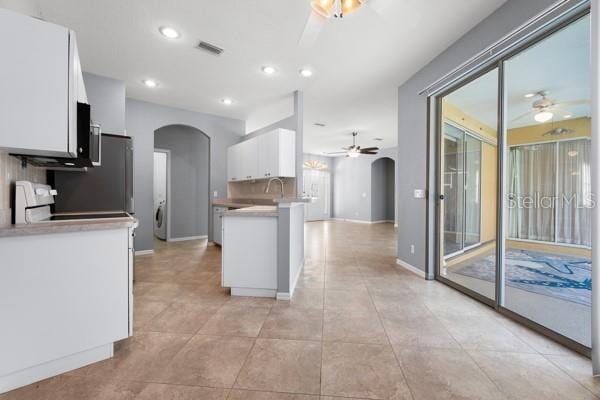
[108, 187]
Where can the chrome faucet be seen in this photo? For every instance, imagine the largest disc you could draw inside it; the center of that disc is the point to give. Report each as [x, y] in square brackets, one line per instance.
[269, 185]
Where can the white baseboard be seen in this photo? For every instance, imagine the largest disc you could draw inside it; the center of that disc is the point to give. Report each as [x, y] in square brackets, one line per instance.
[411, 268]
[247, 292]
[143, 252]
[56, 367]
[283, 296]
[185, 239]
[360, 221]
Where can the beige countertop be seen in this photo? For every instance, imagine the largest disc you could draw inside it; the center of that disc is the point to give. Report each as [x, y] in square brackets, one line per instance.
[254, 211]
[81, 225]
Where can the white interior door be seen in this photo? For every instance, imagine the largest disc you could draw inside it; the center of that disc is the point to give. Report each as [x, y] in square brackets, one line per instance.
[317, 185]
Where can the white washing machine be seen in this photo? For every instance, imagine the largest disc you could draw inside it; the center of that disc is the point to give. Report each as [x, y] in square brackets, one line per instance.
[160, 221]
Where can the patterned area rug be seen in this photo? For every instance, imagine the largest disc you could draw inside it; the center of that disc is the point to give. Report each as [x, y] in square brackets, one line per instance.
[560, 276]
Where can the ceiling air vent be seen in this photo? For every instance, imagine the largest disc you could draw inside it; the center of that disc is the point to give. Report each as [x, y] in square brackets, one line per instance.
[322, 125]
[378, 139]
[211, 48]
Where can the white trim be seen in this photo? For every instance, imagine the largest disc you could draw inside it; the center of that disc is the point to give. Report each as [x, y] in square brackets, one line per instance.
[168, 195]
[595, 182]
[185, 239]
[360, 221]
[249, 292]
[143, 252]
[55, 367]
[411, 268]
[293, 286]
[283, 296]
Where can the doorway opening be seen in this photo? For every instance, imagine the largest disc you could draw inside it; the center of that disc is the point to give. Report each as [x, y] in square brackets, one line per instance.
[181, 183]
[162, 177]
[383, 191]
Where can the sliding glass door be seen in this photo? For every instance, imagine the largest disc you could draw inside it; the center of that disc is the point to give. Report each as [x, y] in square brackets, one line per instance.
[468, 186]
[514, 209]
[547, 257]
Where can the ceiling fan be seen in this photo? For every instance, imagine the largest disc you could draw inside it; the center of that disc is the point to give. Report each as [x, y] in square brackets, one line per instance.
[325, 10]
[354, 150]
[543, 109]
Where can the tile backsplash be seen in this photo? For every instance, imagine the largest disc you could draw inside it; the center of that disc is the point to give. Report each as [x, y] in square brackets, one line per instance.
[11, 171]
[256, 189]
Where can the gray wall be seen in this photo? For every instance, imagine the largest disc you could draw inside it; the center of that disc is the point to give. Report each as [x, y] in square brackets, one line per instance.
[412, 120]
[352, 197]
[190, 164]
[107, 99]
[142, 120]
[382, 190]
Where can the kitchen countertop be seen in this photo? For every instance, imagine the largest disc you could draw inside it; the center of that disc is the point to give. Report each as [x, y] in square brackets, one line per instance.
[81, 225]
[242, 203]
[254, 211]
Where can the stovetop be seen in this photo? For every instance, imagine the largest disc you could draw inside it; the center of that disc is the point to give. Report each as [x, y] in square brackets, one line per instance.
[70, 217]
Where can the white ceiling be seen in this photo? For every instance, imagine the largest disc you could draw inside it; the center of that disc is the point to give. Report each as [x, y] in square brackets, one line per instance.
[358, 62]
[560, 64]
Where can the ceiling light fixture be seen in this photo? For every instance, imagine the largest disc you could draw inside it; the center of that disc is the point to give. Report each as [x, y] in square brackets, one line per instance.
[227, 101]
[150, 83]
[543, 116]
[567, 116]
[268, 70]
[529, 95]
[168, 32]
[305, 72]
[337, 8]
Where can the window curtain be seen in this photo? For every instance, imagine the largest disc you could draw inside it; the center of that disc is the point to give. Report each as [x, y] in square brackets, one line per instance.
[574, 214]
[531, 190]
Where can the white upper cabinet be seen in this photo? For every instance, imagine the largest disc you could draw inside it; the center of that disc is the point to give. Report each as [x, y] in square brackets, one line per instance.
[270, 155]
[277, 154]
[40, 84]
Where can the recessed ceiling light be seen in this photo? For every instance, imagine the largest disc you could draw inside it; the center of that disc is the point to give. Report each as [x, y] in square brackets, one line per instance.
[150, 83]
[168, 32]
[227, 101]
[268, 70]
[305, 72]
[529, 95]
[567, 116]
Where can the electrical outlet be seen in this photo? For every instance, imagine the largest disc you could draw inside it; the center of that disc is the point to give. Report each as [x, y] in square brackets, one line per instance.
[215, 194]
[412, 249]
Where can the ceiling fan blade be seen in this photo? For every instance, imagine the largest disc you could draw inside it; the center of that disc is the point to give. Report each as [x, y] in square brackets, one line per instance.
[368, 152]
[371, 149]
[338, 152]
[573, 103]
[521, 116]
[312, 30]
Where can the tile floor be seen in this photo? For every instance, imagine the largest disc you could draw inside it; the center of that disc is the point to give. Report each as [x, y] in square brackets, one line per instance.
[358, 327]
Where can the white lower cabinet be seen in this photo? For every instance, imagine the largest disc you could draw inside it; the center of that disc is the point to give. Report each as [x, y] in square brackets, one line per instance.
[65, 298]
[249, 257]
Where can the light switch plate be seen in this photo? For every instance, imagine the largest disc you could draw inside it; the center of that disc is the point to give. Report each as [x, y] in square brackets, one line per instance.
[215, 194]
[419, 193]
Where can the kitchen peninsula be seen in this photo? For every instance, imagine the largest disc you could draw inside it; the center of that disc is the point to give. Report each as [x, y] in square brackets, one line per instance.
[263, 248]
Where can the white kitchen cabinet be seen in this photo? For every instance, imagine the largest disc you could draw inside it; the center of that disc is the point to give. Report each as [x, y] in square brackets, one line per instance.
[277, 154]
[40, 84]
[270, 155]
[64, 304]
[249, 255]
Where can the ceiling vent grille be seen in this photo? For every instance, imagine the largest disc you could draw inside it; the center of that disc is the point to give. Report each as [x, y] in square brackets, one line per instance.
[322, 125]
[211, 48]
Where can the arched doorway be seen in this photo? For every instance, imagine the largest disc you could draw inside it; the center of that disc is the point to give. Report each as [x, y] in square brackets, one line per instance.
[383, 190]
[182, 177]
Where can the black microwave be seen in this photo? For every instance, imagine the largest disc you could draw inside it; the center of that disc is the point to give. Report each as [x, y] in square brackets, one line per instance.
[89, 150]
